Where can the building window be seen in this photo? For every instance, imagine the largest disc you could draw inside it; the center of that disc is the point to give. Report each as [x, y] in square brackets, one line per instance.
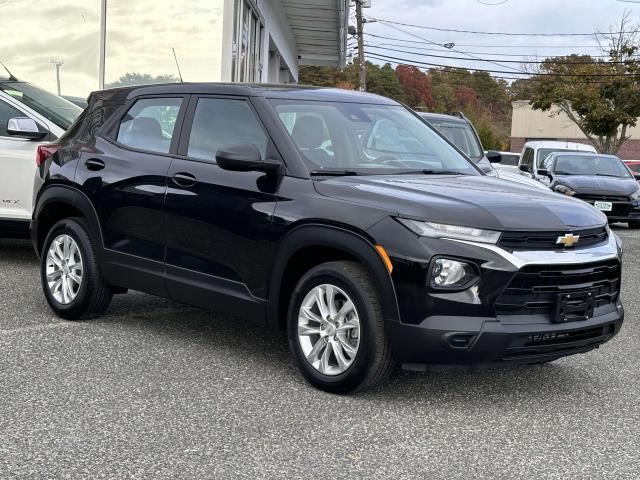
[248, 33]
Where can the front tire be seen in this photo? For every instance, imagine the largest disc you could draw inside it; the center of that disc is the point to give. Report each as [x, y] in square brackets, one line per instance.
[336, 329]
[70, 274]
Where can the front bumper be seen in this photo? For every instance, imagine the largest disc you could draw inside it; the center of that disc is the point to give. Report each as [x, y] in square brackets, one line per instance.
[454, 340]
[493, 322]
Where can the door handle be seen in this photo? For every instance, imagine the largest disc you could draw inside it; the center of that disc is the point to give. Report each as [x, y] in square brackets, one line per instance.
[184, 179]
[94, 164]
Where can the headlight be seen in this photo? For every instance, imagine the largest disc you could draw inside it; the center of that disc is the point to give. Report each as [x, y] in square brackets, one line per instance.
[441, 230]
[450, 274]
[635, 195]
[564, 189]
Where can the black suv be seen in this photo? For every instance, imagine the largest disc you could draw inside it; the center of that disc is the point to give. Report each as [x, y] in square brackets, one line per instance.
[340, 216]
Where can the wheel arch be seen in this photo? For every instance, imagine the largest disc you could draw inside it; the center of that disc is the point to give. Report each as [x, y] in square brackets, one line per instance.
[311, 244]
[56, 202]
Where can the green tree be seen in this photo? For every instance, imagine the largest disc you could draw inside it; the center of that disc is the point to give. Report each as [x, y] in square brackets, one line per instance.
[135, 78]
[604, 100]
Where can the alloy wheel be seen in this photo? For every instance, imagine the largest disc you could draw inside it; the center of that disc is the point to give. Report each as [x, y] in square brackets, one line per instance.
[64, 269]
[328, 329]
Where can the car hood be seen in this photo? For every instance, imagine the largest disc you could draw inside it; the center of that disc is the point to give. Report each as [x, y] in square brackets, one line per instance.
[598, 185]
[474, 201]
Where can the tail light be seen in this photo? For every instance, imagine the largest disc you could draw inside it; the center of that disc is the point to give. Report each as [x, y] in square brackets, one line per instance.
[45, 151]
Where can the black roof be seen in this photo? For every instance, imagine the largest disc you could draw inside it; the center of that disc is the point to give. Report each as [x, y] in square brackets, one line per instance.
[293, 92]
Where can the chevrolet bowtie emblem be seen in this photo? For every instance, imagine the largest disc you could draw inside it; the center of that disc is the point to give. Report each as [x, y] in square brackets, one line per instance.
[568, 240]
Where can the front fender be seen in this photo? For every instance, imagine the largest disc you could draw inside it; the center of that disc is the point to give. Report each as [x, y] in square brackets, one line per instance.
[352, 243]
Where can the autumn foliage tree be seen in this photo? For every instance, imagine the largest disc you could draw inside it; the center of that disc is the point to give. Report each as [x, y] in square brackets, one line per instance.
[601, 96]
[416, 86]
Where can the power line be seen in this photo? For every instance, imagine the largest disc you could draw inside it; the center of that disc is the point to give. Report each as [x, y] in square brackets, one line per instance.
[504, 61]
[579, 75]
[395, 39]
[510, 55]
[513, 34]
[437, 44]
[446, 69]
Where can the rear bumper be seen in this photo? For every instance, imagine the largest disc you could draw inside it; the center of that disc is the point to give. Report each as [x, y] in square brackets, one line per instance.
[452, 340]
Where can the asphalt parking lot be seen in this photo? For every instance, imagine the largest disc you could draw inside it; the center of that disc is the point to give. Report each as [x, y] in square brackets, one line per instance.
[158, 390]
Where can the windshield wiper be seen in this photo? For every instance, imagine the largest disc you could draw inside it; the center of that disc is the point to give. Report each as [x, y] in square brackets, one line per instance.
[607, 175]
[429, 172]
[333, 173]
[560, 172]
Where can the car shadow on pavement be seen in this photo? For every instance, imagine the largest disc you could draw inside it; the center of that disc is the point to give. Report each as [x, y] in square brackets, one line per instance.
[245, 345]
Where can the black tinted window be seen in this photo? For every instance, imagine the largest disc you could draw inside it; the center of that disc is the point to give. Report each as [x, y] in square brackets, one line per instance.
[218, 122]
[7, 112]
[149, 124]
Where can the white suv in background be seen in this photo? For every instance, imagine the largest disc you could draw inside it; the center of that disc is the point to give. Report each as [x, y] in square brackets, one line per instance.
[534, 153]
[29, 116]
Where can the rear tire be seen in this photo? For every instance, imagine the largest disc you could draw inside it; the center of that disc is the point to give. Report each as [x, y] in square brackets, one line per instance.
[72, 282]
[634, 224]
[357, 360]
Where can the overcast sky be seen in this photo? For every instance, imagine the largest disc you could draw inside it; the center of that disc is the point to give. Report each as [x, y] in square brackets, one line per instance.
[142, 32]
[529, 16]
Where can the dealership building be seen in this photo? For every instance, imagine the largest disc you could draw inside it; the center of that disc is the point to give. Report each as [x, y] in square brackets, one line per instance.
[529, 124]
[81, 42]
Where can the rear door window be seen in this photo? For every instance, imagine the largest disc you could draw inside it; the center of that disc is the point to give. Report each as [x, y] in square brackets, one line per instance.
[150, 124]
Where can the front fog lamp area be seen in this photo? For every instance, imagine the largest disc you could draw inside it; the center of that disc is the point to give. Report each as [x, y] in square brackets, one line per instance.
[450, 274]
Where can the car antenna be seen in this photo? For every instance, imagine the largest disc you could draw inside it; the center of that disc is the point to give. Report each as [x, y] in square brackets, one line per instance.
[11, 76]
[177, 64]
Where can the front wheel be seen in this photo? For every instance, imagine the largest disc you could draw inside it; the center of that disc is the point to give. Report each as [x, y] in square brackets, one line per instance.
[336, 329]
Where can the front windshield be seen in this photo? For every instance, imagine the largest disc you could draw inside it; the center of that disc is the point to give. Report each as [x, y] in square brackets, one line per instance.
[461, 135]
[367, 139]
[56, 109]
[543, 153]
[590, 165]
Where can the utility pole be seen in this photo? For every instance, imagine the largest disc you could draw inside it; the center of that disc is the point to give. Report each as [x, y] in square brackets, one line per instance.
[103, 43]
[57, 61]
[360, 33]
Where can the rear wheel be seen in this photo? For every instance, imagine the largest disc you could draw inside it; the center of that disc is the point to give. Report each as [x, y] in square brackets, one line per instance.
[634, 224]
[71, 279]
[336, 329]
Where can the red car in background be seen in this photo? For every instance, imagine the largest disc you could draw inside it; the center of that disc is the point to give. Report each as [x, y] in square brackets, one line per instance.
[634, 166]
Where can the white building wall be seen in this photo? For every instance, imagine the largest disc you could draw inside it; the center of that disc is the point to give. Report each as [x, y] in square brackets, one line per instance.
[529, 123]
[276, 32]
[277, 29]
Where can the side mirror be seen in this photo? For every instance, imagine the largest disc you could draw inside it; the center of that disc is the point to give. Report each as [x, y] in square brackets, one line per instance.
[524, 168]
[25, 128]
[493, 156]
[543, 172]
[245, 157]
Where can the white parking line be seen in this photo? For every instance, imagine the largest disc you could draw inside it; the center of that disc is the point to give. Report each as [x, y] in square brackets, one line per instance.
[34, 328]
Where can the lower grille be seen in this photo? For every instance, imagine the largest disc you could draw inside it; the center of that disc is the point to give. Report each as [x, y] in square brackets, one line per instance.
[535, 288]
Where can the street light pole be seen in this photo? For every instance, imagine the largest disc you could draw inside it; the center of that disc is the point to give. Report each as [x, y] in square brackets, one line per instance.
[57, 61]
[103, 43]
[360, 33]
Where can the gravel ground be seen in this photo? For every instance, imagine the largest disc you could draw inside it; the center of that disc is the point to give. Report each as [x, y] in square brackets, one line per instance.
[158, 390]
